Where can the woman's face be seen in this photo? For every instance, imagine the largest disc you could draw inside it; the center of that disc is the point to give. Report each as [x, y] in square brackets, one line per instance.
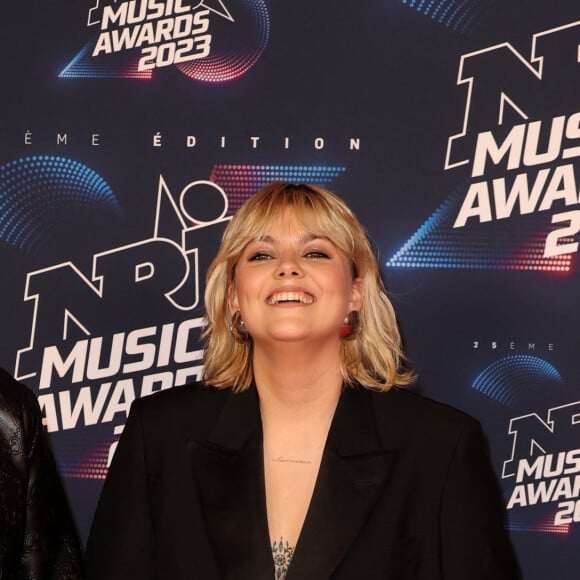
[292, 285]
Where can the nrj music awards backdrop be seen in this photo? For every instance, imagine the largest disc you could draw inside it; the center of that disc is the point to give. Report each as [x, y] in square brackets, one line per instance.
[132, 130]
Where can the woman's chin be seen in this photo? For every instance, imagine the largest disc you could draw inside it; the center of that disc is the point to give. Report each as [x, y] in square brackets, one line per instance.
[295, 334]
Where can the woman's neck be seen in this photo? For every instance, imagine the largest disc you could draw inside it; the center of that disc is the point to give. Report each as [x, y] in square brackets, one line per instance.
[294, 374]
[298, 390]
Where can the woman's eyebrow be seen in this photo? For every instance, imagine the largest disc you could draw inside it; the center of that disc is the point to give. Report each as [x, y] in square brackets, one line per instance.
[303, 239]
[266, 238]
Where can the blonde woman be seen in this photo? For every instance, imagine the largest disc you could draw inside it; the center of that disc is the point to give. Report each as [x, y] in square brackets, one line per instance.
[300, 456]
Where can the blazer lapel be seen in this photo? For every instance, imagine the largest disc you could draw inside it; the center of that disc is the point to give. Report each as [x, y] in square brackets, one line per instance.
[353, 473]
[229, 473]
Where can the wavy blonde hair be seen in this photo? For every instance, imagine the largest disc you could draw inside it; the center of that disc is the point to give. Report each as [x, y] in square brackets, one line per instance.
[372, 358]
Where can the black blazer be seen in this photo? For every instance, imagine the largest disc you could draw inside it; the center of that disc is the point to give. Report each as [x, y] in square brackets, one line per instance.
[38, 539]
[405, 491]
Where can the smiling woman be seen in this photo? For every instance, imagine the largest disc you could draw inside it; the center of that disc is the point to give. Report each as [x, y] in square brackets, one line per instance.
[291, 286]
[323, 233]
[299, 456]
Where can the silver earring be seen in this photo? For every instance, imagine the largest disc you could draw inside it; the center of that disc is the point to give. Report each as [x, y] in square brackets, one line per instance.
[237, 327]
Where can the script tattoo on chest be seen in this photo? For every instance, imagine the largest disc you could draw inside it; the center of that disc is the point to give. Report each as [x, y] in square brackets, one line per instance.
[281, 459]
[282, 553]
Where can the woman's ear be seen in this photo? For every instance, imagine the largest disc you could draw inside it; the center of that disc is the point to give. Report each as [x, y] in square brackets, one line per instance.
[233, 302]
[357, 294]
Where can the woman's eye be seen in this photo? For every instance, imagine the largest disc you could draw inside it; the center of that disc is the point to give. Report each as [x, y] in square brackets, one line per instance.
[257, 256]
[316, 254]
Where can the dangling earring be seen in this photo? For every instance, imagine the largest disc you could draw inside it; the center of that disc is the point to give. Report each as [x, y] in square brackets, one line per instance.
[351, 325]
[237, 327]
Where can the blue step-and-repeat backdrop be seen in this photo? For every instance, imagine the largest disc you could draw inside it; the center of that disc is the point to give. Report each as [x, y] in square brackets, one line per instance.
[131, 131]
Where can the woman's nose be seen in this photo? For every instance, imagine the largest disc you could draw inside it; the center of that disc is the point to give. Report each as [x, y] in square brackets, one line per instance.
[288, 267]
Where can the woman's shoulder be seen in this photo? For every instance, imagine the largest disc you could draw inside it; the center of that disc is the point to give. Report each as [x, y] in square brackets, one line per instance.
[193, 402]
[407, 407]
[196, 394]
[166, 417]
[408, 420]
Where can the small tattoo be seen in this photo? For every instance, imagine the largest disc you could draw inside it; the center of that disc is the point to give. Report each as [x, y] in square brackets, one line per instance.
[282, 553]
[286, 460]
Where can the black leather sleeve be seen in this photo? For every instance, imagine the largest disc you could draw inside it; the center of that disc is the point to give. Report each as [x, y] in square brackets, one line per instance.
[38, 537]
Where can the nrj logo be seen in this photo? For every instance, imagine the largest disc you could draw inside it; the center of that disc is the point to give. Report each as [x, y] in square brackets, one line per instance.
[205, 39]
[544, 466]
[164, 32]
[133, 326]
[521, 133]
[517, 158]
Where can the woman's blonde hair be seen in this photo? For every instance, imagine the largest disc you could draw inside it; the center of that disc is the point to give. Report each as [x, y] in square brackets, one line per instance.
[372, 357]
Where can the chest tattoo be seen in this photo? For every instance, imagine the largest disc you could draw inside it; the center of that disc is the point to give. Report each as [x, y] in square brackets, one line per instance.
[282, 553]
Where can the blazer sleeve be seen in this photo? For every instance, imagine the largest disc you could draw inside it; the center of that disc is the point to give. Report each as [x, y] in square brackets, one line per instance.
[475, 544]
[121, 540]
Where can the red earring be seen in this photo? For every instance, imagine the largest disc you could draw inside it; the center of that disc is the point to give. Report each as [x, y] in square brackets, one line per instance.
[350, 326]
